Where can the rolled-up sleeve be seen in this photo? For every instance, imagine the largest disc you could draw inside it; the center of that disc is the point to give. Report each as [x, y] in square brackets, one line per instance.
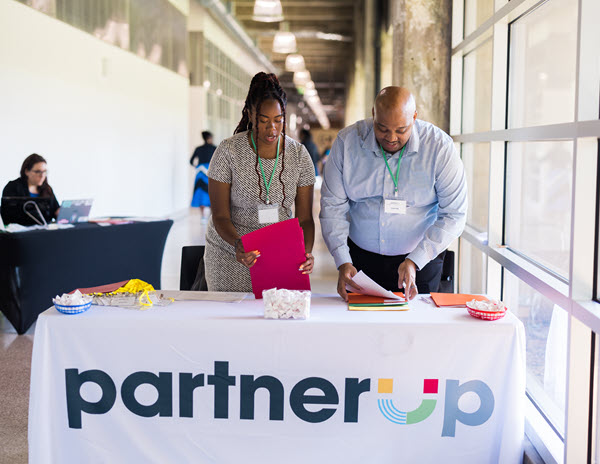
[335, 224]
[451, 190]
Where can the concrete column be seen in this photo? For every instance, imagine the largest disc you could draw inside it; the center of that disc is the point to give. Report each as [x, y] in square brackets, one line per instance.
[421, 43]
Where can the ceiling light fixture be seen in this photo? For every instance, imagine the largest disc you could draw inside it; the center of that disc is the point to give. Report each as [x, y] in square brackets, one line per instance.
[301, 77]
[267, 11]
[284, 42]
[294, 63]
[328, 36]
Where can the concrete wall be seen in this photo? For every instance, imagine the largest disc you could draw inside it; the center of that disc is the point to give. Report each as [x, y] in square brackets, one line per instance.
[421, 55]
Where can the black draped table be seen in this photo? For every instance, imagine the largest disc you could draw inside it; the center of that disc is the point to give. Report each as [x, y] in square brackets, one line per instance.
[36, 265]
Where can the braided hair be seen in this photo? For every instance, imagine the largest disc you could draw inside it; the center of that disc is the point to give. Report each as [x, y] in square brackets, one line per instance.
[263, 87]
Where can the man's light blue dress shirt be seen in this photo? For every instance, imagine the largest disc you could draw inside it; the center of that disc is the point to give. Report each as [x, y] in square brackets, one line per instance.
[356, 181]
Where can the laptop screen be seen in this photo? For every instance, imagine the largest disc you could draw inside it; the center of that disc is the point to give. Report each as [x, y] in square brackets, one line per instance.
[72, 211]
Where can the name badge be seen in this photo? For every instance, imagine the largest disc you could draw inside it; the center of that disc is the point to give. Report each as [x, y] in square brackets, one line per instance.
[268, 214]
[395, 206]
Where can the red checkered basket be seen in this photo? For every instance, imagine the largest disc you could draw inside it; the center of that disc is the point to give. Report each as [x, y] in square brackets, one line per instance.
[486, 315]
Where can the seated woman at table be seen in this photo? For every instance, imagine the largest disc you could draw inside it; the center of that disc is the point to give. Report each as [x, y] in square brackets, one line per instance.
[33, 183]
[259, 167]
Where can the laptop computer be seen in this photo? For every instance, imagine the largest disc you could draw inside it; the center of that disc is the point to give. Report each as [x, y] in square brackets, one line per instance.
[72, 211]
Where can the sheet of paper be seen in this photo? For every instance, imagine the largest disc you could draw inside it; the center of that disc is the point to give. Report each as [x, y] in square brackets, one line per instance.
[370, 287]
[221, 297]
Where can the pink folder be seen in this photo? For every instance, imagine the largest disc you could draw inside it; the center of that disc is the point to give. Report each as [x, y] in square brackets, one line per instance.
[281, 247]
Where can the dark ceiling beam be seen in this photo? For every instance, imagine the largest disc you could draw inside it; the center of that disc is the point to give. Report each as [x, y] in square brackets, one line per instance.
[303, 4]
[330, 18]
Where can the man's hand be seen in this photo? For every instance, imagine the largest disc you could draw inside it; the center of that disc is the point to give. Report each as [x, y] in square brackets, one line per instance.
[407, 275]
[347, 271]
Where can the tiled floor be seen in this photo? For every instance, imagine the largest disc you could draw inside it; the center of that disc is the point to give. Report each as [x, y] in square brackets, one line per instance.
[15, 351]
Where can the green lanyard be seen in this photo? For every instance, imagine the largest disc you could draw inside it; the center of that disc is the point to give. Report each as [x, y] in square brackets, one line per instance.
[262, 171]
[395, 179]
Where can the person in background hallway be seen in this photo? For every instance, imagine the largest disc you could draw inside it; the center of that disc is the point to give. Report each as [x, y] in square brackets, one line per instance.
[201, 160]
[258, 168]
[33, 182]
[313, 151]
[324, 155]
[394, 196]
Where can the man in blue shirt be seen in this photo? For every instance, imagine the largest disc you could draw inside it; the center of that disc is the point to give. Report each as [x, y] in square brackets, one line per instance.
[394, 196]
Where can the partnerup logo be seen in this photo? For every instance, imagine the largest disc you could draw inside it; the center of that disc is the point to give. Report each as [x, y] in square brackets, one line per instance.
[300, 395]
[452, 413]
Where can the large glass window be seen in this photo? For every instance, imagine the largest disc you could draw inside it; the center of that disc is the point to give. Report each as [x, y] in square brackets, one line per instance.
[476, 12]
[546, 333]
[538, 202]
[227, 85]
[543, 46]
[537, 69]
[472, 269]
[477, 89]
[152, 29]
[476, 159]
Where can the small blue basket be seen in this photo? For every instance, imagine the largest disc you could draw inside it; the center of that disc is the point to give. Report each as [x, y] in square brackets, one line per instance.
[76, 309]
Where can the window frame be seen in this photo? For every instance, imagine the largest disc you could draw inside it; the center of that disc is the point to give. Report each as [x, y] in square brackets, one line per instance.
[580, 294]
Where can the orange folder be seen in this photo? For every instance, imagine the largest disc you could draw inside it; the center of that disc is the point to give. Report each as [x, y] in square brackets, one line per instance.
[454, 299]
[281, 247]
[357, 298]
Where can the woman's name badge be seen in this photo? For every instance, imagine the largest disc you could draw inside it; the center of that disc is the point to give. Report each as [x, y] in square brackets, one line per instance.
[268, 214]
[394, 206]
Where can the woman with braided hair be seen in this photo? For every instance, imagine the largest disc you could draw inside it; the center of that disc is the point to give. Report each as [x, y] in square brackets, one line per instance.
[254, 179]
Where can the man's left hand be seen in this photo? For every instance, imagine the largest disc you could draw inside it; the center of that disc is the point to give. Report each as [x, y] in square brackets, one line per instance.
[407, 276]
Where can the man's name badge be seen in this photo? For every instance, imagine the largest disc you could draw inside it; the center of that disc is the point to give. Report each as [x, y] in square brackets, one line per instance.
[394, 206]
[268, 214]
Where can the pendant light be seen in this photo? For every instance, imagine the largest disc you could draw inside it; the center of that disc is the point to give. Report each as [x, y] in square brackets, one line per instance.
[284, 42]
[301, 77]
[267, 11]
[294, 63]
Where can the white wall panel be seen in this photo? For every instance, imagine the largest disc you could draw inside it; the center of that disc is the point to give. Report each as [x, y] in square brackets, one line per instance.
[112, 126]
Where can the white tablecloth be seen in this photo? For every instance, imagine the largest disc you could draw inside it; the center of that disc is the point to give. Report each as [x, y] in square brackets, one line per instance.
[428, 385]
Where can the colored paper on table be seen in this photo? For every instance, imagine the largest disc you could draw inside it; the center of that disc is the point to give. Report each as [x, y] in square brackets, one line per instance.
[281, 247]
[396, 307]
[454, 299]
[358, 298]
[360, 302]
[107, 288]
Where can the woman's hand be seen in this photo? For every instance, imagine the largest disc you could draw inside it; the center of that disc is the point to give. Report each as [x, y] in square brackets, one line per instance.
[307, 266]
[247, 259]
